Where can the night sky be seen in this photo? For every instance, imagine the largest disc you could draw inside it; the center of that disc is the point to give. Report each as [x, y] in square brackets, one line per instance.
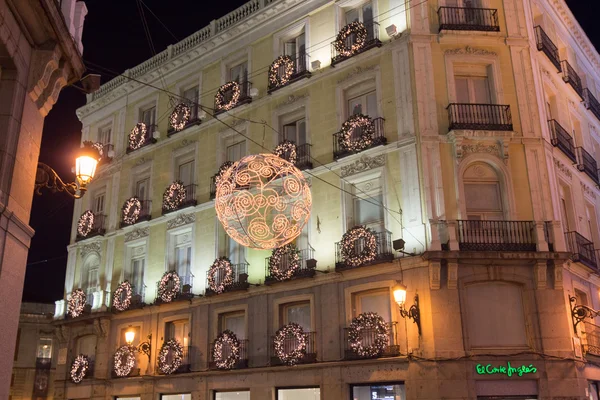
[114, 38]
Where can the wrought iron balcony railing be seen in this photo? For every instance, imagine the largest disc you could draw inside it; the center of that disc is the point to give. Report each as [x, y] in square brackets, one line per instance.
[572, 78]
[137, 296]
[590, 338]
[307, 268]
[190, 199]
[291, 343]
[240, 279]
[477, 235]
[301, 71]
[43, 362]
[193, 120]
[468, 19]
[379, 139]
[186, 361]
[303, 158]
[91, 365]
[559, 137]
[491, 117]
[135, 371]
[545, 44]
[244, 97]
[549, 235]
[242, 361]
[369, 337]
[591, 103]
[145, 213]
[186, 283]
[107, 151]
[587, 163]
[582, 250]
[371, 42]
[384, 251]
[98, 227]
[150, 129]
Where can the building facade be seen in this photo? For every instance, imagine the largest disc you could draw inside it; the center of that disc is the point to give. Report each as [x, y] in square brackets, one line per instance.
[40, 47]
[461, 163]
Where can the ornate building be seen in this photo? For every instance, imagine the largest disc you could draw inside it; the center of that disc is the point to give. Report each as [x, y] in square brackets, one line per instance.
[421, 121]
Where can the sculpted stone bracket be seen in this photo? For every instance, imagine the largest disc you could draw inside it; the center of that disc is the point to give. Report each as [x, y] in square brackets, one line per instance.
[180, 220]
[137, 234]
[364, 163]
[496, 147]
[91, 247]
[47, 76]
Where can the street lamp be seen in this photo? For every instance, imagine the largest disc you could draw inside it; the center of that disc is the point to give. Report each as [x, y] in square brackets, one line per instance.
[144, 347]
[413, 312]
[85, 168]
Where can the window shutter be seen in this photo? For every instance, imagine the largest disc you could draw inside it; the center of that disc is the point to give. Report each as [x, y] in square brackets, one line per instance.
[372, 105]
[481, 89]
[462, 90]
[301, 137]
[376, 302]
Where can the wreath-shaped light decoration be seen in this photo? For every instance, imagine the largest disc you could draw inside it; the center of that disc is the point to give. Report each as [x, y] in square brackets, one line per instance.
[220, 103]
[76, 303]
[100, 147]
[228, 338]
[124, 360]
[79, 368]
[358, 121]
[222, 269]
[369, 251]
[276, 80]
[295, 332]
[290, 253]
[173, 348]
[180, 116]
[137, 136]
[131, 210]
[224, 167]
[85, 223]
[119, 302]
[263, 201]
[373, 322]
[360, 38]
[289, 149]
[164, 293]
[174, 196]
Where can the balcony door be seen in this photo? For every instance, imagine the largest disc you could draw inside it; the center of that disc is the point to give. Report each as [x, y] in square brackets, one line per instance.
[180, 331]
[299, 313]
[141, 189]
[295, 132]
[235, 322]
[186, 173]
[472, 89]
[98, 206]
[483, 193]
[364, 14]
[191, 98]
[366, 205]
[148, 116]
[90, 281]
[183, 262]
[377, 301]
[296, 49]
[236, 151]
[136, 275]
[365, 104]
[105, 135]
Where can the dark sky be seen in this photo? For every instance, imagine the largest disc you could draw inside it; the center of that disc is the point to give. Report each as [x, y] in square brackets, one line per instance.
[114, 38]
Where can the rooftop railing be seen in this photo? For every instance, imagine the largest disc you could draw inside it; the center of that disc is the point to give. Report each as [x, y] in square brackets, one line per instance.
[468, 19]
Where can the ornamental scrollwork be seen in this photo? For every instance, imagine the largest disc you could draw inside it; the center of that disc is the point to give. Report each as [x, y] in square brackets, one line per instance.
[90, 248]
[137, 233]
[181, 219]
[364, 163]
[563, 168]
[470, 51]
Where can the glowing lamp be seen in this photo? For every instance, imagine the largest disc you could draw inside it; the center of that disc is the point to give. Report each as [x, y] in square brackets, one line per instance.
[129, 336]
[85, 165]
[400, 295]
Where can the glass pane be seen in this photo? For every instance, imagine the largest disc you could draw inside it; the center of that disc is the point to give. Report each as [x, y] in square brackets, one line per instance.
[148, 116]
[369, 210]
[379, 392]
[367, 13]
[191, 94]
[290, 48]
[299, 394]
[99, 204]
[351, 16]
[137, 278]
[44, 349]
[239, 73]
[183, 396]
[301, 43]
[462, 90]
[289, 131]
[355, 106]
[376, 302]
[372, 105]
[87, 345]
[593, 389]
[300, 314]
[186, 173]
[232, 395]
[236, 323]
[301, 132]
[141, 189]
[236, 151]
[483, 197]
[481, 90]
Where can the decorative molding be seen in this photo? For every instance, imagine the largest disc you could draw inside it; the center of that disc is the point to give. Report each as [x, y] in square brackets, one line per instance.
[357, 71]
[93, 247]
[563, 168]
[462, 150]
[142, 160]
[180, 220]
[101, 327]
[185, 143]
[452, 275]
[558, 275]
[588, 190]
[291, 99]
[435, 268]
[137, 233]
[540, 275]
[468, 50]
[364, 163]
[235, 123]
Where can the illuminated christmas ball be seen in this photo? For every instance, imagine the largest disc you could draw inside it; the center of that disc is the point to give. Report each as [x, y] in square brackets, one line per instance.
[263, 201]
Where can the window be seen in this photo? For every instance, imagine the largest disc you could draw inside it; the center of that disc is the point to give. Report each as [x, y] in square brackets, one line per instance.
[148, 116]
[237, 395]
[98, 206]
[488, 306]
[364, 14]
[365, 104]
[17, 344]
[136, 273]
[236, 151]
[185, 172]
[295, 131]
[178, 330]
[592, 223]
[298, 312]
[365, 206]
[90, 277]
[182, 396]
[299, 394]
[86, 345]
[191, 97]
[136, 338]
[235, 322]
[373, 301]
[181, 251]
[472, 89]
[295, 47]
[593, 391]
[142, 188]
[483, 194]
[105, 134]
[239, 72]
[230, 248]
[44, 348]
[382, 391]
[464, 3]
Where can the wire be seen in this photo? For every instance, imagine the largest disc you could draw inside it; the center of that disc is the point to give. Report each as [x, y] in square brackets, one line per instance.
[47, 260]
[158, 19]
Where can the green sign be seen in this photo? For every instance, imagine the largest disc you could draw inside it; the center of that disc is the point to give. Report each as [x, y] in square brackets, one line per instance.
[508, 370]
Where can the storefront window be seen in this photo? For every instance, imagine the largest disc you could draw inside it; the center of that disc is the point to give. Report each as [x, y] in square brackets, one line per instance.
[381, 391]
[180, 396]
[299, 394]
[241, 395]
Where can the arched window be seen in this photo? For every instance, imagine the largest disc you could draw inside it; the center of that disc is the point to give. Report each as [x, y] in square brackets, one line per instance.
[484, 197]
[90, 277]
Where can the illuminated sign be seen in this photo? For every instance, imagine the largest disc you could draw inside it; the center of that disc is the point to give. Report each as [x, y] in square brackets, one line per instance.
[507, 370]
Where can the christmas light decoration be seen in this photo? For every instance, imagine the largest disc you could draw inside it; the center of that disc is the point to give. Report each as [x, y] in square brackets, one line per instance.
[165, 293]
[100, 147]
[378, 332]
[124, 360]
[137, 136]
[369, 252]
[263, 201]
[276, 80]
[173, 349]
[284, 262]
[122, 296]
[85, 223]
[220, 103]
[79, 368]
[131, 211]
[76, 303]
[355, 30]
[174, 196]
[287, 150]
[294, 332]
[180, 116]
[224, 167]
[220, 275]
[348, 139]
[228, 340]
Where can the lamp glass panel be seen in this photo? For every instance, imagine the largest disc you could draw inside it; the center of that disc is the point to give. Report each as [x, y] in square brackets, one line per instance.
[85, 168]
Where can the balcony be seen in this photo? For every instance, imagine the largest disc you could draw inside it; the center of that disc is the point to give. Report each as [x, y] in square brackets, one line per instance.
[189, 201]
[135, 371]
[371, 42]
[43, 362]
[545, 44]
[582, 250]
[240, 279]
[186, 361]
[368, 337]
[107, 153]
[244, 97]
[193, 120]
[340, 151]
[487, 117]
[300, 72]
[468, 19]
[572, 78]
[591, 103]
[291, 343]
[145, 213]
[477, 235]
[307, 268]
[91, 362]
[384, 252]
[242, 362]
[137, 297]
[587, 164]
[560, 138]
[303, 158]
[149, 138]
[186, 283]
[590, 338]
[98, 227]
